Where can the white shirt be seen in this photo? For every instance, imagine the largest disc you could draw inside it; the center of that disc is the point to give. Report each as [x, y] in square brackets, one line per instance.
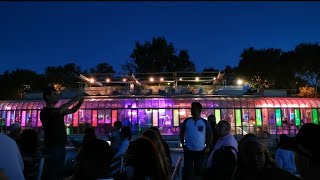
[195, 133]
[10, 158]
[227, 140]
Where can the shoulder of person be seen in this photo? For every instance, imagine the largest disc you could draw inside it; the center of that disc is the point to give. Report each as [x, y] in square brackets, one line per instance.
[206, 122]
[187, 119]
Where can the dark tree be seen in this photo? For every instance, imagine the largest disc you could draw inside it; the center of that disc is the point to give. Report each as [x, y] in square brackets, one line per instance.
[230, 75]
[64, 75]
[102, 68]
[285, 72]
[20, 81]
[158, 56]
[306, 56]
[102, 71]
[258, 66]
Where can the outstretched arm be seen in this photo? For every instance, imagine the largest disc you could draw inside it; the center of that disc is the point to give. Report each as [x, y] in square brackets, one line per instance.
[64, 109]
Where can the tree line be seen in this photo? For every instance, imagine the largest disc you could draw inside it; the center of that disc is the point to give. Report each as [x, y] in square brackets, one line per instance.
[260, 68]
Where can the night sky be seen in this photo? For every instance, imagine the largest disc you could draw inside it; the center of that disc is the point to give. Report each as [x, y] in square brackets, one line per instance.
[34, 35]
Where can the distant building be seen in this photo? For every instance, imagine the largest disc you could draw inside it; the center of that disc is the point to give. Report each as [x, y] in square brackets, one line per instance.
[166, 104]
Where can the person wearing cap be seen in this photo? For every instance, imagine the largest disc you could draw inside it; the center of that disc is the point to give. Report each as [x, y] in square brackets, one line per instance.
[15, 132]
[55, 136]
[307, 151]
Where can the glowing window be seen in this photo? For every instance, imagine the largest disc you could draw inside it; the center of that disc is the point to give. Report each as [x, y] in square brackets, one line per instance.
[258, 117]
[278, 117]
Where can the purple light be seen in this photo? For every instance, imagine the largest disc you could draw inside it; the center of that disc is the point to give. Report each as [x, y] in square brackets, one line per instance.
[8, 118]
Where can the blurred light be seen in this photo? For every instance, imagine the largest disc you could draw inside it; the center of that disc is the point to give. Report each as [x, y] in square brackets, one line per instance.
[214, 78]
[182, 113]
[168, 83]
[197, 78]
[240, 82]
[109, 142]
[151, 79]
[124, 79]
[180, 79]
[108, 80]
[161, 79]
[92, 80]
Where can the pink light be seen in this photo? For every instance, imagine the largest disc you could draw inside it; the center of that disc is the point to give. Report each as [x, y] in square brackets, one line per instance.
[75, 119]
[114, 116]
[23, 118]
[94, 118]
[134, 105]
[39, 122]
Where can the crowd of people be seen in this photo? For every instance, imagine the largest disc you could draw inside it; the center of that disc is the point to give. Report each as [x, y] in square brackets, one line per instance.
[227, 159]
[22, 157]
[210, 151]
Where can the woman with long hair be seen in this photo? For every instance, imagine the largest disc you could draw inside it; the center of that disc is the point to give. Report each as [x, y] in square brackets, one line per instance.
[152, 135]
[255, 162]
[143, 161]
[164, 144]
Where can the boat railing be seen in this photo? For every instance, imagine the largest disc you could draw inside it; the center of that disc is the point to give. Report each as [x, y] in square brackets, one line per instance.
[177, 172]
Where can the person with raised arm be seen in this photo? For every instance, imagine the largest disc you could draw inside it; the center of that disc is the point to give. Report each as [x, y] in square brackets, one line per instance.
[55, 136]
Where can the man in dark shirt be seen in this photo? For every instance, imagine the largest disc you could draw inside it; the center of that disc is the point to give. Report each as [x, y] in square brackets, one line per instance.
[55, 136]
